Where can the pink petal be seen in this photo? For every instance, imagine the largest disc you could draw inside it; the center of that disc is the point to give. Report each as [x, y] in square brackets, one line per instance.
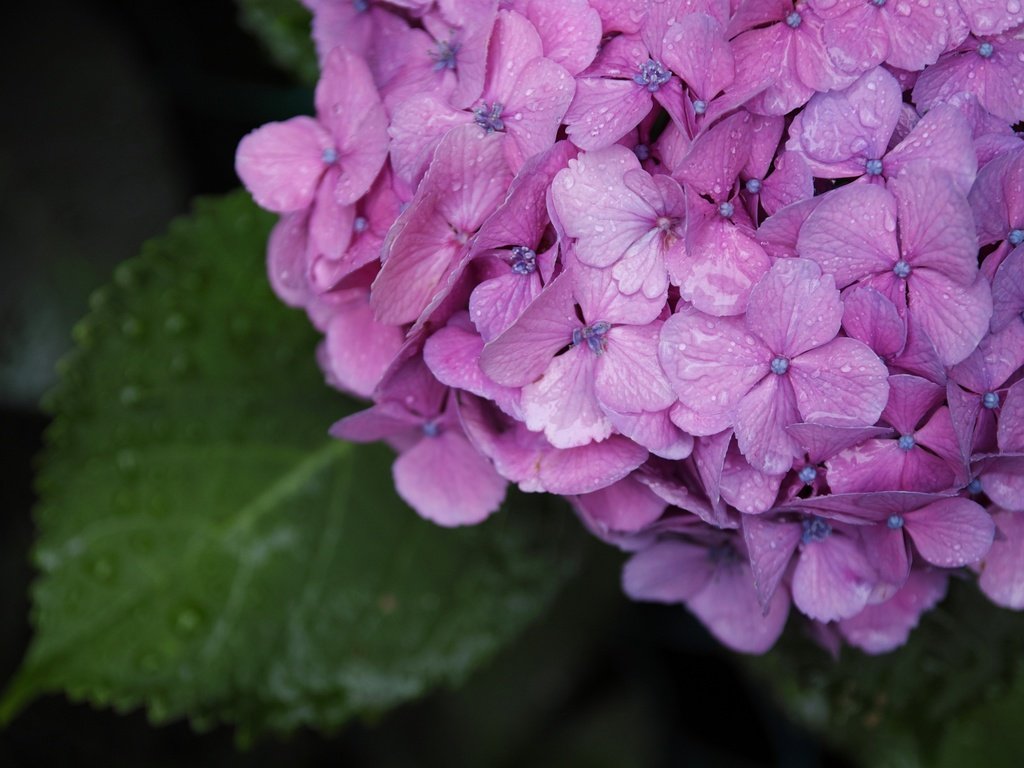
[771, 544]
[790, 183]
[1002, 570]
[588, 467]
[936, 224]
[330, 223]
[447, 481]
[955, 317]
[842, 383]
[604, 110]
[852, 233]
[286, 259]
[418, 124]
[833, 579]
[951, 532]
[719, 268]
[1011, 421]
[655, 432]
[360, 349]
[870, 317]
[695, 48]
[514, 44]
[1003, 482]
[717, 156]
[1008, 290]
[496, 304]
[824, 441]
[281, 163]
[745, 488]
[627, 505]
[534, 110]
[910, 399]
[729, 608]
[761, 421]
[711, 363]
[942, 138]
[886, 626]
[629, 378]
[570, 31]
[348, 104]
[839, 130]
[667, 572]
[563, 403]
[794, 307]
[524, 351]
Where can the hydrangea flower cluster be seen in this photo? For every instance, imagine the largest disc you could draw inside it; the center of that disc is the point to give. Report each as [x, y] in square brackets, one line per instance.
[743, 280]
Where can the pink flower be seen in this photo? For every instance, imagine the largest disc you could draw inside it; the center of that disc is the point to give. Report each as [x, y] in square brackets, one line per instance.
[778, 365]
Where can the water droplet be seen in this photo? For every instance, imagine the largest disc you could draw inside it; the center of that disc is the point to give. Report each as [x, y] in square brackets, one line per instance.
[103, 568]
[127, 460]
[130, 395]
[188, 620]
[174, 323]
[131, 327]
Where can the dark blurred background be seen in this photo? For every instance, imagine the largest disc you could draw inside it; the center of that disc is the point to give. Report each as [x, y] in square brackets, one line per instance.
[117, 113]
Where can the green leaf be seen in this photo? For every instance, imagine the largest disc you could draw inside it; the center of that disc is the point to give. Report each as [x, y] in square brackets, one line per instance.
[207, 551]
[283, 26]
[956, 689]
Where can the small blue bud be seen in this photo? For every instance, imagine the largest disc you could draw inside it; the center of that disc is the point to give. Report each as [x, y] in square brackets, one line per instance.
[779, 365]
[901, 269]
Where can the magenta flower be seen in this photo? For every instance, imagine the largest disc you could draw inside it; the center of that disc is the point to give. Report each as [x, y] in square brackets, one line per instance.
[713, 579]
[989, 68]
[575, 368]
[929, 272]
[779, 365]
[617, 91]
[439, 473]
[922, 455]
[848, 133]
[997, 200]
[464, 185]
[285, 165]
[906, 36]
[622, 217]
[788, 56]
[883, 627]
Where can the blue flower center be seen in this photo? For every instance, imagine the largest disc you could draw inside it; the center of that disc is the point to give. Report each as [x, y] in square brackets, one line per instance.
[652, 75]
[1016, 236]
[807, 475]
[779, 365]
[642, 151]
[725, 210]
[873, 167]
[990, 400]
[360, 224]
[753, 186]
[524, 260]
[985, 50]
[974, 487]
[878, 3]
[361, 6]
[894, 522]
[901, 269]
[489, 118]
[329, 156]
[700, 106]
[444, 55]
[593, 335]
[793, 20]
[431, 428]
[906, 442]
[815, 529]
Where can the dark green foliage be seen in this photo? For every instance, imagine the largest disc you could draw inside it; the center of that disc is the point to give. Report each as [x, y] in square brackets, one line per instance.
[206, 550]
[953, 696]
